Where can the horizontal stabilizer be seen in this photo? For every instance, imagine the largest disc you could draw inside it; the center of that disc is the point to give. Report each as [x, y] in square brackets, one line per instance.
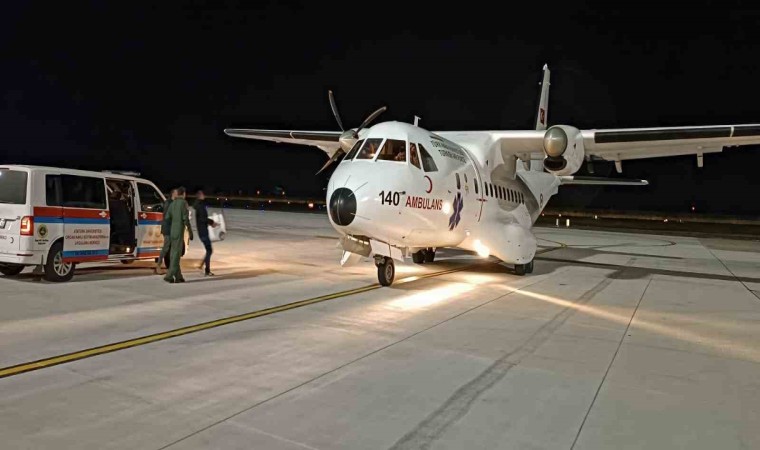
[601, 181]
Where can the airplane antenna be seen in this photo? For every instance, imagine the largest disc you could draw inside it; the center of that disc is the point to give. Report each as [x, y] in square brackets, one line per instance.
[416, 120]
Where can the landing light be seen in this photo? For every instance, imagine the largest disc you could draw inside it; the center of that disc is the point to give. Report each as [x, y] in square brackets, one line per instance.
[481, 249]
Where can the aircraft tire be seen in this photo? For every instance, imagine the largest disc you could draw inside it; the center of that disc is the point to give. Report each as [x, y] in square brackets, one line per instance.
[520, 269]
[419, 257]
[429, 255]
[529, 269]
[386, 272]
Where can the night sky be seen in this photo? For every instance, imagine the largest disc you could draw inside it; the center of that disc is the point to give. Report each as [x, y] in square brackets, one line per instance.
[149, 86]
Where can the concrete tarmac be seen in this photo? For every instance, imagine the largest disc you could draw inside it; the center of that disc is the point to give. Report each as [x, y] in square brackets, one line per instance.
[617, 340]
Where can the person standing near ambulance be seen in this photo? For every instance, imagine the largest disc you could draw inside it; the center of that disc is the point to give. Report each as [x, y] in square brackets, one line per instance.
[202, 222]
[179, 220]
[166, 232]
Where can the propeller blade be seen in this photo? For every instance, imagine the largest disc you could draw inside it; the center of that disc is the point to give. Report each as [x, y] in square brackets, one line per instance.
[369, 119]
[335, 110]
[329, 162]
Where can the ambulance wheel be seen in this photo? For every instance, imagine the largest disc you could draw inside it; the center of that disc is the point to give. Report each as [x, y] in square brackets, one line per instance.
[127, 261]
[520, 269]
[222, 235]
[55, 269]
[11, 271]
[386, 271]
[419, 257]
[529, 269]
[429, 255]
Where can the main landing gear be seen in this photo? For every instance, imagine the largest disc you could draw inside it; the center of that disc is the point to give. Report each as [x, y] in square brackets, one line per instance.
[386, 271]
[426, 255]
[522, 269]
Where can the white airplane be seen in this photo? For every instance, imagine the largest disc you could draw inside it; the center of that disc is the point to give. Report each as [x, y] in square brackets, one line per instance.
[404, 191]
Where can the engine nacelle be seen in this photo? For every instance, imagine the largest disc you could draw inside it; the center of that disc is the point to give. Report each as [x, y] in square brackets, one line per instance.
[563, 146]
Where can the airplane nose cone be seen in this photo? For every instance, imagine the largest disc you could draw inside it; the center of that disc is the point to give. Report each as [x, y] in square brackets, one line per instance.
[342, 206]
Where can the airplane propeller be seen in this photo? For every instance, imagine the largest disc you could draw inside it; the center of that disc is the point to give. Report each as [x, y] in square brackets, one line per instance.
[349, 137]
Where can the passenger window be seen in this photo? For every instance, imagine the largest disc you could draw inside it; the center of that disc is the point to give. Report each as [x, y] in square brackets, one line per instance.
[369, 149]
[83, 192]
[393, 150]
[414, 157]
[150, 199]
[428, 163]
[475, 183]
[53, 190]
[459, 185]
[354, 150]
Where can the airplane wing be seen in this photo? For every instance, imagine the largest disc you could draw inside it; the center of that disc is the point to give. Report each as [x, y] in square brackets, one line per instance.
[621, 144]
[324, 140]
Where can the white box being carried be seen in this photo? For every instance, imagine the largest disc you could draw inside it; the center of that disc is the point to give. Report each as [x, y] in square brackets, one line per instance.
[218, 232]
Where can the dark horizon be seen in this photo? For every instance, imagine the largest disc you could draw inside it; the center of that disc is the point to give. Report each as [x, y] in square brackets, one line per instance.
[150, 88]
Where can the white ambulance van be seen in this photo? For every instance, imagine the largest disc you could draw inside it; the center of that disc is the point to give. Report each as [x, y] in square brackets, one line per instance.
[57, 218]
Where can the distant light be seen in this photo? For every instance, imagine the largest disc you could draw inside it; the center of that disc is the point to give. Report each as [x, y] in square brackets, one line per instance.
[283, 192]
[258, 192]
[288, 203]
[666, 220]
[595, 217]
[311, 205]
[693, 209]
[270, 201]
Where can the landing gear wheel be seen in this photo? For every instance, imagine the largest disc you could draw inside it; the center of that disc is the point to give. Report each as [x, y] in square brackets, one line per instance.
[520, 269]
[55, 269]
[529, 269]
[386, 271]
[11, 271]
[429, 255]
[419, 256]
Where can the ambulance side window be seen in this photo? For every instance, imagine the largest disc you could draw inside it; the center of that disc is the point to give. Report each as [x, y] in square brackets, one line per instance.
[83, 192]
[53, 190]
[150, 198]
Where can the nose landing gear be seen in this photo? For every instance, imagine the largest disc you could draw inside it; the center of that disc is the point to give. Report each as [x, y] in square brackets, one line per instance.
[386, 271]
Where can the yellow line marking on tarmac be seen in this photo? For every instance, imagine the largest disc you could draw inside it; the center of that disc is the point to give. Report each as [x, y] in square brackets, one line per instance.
[123, 345]
[116, 346]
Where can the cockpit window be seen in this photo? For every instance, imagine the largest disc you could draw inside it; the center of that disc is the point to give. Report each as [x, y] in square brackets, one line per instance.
[414, 157]
[369, 149]
[428, 163]
[354, 150]
[393, 150]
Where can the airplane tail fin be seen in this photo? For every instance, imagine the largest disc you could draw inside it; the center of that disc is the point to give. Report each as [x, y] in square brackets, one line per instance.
[543, 102]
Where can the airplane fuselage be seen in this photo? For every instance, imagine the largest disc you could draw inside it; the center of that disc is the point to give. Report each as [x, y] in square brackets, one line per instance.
[449, 196]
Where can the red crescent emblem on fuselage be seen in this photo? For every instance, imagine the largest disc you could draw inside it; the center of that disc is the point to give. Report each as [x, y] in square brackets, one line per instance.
[430, 183]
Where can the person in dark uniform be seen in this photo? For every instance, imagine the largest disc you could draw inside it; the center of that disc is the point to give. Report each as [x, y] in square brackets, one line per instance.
[202, 222]
[179, 220]
[166, 232]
